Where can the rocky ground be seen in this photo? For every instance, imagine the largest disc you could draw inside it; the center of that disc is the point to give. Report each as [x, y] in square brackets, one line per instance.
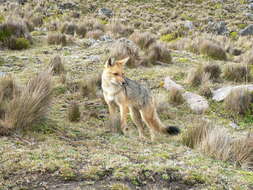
[89, 154]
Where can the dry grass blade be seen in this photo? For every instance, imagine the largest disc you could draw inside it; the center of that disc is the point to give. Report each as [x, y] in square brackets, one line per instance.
[217, 144]
[242, 151]
[31, 107]
[196, 133]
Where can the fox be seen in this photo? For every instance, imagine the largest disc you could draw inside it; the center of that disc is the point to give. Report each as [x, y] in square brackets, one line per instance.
[130, 96]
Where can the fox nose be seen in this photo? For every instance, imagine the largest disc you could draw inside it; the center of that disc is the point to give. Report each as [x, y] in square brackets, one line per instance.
[123, 83]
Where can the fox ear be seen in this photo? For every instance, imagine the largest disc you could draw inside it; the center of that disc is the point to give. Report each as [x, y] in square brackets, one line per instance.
[109, 62]
[124, 61]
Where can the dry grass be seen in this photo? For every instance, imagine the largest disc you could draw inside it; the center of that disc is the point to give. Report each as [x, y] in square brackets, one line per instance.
[242, 151]
[195, 76]
[122, 49]
[90, 86]
[37, 21]
[158, 52]
[239, 101]
[237, 72]
[56, 39]
[196, 133]
[143, 40]
[74, 112]
[217, 144]
[81, 30]
[68, 28]
[95, 34]
[214, 70]
[8, 88]
[31, 107]
[212, 50]
[119, 30]
[175, 96]
[15, 35]
[205, 90]
[56, 65]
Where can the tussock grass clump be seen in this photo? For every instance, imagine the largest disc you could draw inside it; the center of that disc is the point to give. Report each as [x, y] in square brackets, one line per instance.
[90, 86]
[119, 30]
[196, 133]
[217, 144]
[205, 90]
[175, 96]
[143, 40]
[195, 76]
[37, 21]
[95, 34]
[14, 35]
[31, 107]
[74, 112]
[69, 28]
[56, 65]
[214, 70]
[123, 49]
[8, 88]
[56, 39]
[242, 151]
[239, 101]
[81, 30]
[212, 50]
[158, 52]
[237, 72]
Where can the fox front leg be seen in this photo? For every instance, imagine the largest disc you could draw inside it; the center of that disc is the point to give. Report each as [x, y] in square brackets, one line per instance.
[123, 117]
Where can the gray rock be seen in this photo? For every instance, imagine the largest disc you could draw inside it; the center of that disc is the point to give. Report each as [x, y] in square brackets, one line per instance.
[105, 12]
[2, 74]
[170, 84]
[221, 93]
[218, 28]
[68, 5]
[197, 103]
[189, 25]
[234, 125]
[249, 16]
[247, 31]
[251, 6]
[93, 58]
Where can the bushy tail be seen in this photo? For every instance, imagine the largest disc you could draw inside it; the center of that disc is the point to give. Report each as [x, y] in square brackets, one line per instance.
[158, 125]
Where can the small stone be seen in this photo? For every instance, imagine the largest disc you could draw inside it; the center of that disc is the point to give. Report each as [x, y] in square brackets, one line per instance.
[197, 103]
[105, 12]
[247, 31]
[170, 84]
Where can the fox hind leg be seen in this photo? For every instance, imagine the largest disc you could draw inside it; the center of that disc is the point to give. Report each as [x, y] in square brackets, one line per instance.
[136, 117]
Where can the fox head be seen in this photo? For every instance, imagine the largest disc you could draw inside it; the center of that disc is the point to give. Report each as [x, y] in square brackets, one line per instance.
[114, 70]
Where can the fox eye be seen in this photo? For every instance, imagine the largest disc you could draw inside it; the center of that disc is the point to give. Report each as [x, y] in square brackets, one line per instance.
[116, 74]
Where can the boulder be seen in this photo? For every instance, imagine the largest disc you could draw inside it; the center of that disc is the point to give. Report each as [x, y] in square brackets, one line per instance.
[221, 93]
[218, 28]
[105, 12]
[197, 103]
[247, 31]
[170, 84]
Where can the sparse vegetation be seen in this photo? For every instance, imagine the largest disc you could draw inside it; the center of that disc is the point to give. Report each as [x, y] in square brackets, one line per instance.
[212, 50]
[31, 106]
[123, 49]
[74, 112]
[237, 72]
[95, 34]
[158, 53]
[143, 40]
[57, 65]
[175, 97]
[56, 39]
[195, 76]
[239, 101]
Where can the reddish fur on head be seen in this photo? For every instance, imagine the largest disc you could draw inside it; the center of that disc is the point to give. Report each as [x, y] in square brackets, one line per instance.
[115, 69]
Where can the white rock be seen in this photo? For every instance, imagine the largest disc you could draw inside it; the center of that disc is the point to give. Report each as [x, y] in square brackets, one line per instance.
[170, 84]
[221, 93]
[197, 103]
